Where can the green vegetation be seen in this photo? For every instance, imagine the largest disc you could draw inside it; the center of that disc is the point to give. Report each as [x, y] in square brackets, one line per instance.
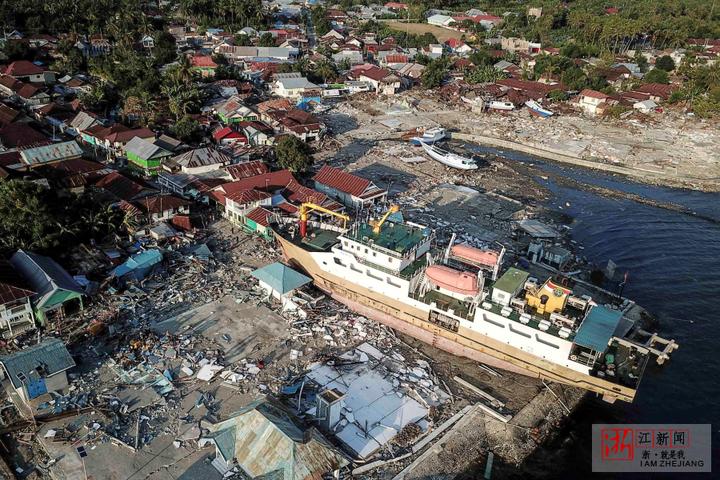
[36, 218]
[656, 75]
[435, 72]
[665, 63]
[484, 74]
[293, 154]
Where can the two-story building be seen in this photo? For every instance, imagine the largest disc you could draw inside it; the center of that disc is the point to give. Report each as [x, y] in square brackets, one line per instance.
[16, 313]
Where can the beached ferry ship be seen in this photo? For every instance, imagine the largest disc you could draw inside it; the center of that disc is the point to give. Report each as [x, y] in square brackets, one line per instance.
[458, 299]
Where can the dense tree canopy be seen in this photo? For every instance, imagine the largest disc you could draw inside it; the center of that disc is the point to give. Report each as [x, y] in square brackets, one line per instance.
[293, 154]
[34, 217]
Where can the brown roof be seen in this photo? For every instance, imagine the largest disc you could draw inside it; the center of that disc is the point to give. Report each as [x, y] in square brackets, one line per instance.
[7, 114]
[27, 91]
[17, 135]
[278, 179]
[375, 73]
[161, 203]
[247, 169]
[120, 186]
[260, 216]
[247, 196]
[278, 104]
[657, 89]
[127, 135]
[593, 94]
[22, 68]
[342, 181]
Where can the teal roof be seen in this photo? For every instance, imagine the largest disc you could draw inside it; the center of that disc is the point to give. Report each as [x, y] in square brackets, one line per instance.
[139, 261]
[281, 278]
[597, 328]
[50, 355]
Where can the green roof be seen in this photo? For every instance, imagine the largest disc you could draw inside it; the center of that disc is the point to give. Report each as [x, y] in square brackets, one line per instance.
[512, 280]
[281, 278]
[397, 237]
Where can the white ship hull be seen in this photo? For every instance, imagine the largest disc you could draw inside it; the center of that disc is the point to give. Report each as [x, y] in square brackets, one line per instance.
[448, 158]
[485, 335]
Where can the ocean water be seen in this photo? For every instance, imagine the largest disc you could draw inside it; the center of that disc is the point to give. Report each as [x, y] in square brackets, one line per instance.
[673, 265]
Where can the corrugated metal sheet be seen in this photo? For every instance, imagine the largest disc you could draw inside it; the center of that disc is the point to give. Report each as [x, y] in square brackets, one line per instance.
[268, 444]
[51, 153]
[597, 328]
[341, 181]
[43, 274]
[201, 157]
[281, 278]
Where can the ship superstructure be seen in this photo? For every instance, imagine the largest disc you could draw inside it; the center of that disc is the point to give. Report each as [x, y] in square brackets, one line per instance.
[459, 298]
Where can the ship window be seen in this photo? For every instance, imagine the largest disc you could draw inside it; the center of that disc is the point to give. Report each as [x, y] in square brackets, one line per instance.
[493, 322]
[337, 261]
[545, 342]
[519, 332]
[355, 269]
[366, 250]
[389, 281]
[369, 274]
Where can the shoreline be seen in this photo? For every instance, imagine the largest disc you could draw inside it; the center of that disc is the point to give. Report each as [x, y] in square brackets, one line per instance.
[546, 153]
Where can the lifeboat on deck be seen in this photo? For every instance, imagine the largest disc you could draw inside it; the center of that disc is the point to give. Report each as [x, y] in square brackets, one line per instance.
[464, 283]
[475, 256]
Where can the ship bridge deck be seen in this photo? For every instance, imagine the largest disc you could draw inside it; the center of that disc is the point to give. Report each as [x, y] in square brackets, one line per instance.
[396, 237]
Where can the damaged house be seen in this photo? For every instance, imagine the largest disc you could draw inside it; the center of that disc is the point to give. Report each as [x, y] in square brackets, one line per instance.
[263, 440]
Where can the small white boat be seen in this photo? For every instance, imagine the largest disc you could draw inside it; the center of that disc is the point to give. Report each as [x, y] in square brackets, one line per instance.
[448, 158]
[498, 105]
[431, 135]
[537, 109]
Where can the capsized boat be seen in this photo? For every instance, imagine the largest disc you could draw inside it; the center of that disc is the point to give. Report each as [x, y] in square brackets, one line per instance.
[538, 110]
[393, 271]
[431, 135]
[449, 158]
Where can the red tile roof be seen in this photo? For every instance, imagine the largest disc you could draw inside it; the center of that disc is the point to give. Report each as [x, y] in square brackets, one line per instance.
[182, 222]
[22, 68]
[226, 133]
[396, 6]
[260, 216]
[342, 181]
[247, 169]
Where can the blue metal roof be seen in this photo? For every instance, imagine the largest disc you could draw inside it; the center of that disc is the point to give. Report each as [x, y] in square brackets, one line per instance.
[597, 328]
[281, 278]
[139, 261]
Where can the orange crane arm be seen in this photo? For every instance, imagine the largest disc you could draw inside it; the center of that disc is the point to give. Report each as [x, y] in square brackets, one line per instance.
[378, 225]
[307, 206]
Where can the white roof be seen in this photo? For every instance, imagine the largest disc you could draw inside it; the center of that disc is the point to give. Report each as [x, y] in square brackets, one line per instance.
[295, 83]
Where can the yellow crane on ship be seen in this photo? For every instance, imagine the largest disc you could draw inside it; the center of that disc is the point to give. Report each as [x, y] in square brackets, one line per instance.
[377, 225]
[307, 207]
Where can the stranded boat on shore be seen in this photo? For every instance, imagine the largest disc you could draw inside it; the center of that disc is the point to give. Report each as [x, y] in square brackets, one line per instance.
[458, 299]
[449, 158]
